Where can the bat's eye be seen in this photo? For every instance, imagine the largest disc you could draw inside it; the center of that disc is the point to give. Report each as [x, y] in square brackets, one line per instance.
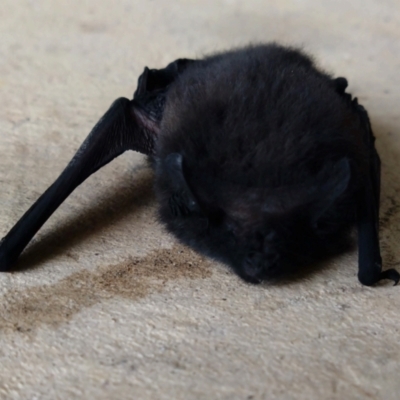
[322, 227]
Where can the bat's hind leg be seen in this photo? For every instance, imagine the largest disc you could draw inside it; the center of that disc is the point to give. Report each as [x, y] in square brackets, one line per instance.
[369, 256]
[370, 261]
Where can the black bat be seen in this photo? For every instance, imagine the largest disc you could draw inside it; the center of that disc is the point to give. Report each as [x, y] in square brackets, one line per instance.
[261, 160]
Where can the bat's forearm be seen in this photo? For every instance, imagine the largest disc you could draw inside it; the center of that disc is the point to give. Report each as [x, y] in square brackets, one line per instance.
[115, 133]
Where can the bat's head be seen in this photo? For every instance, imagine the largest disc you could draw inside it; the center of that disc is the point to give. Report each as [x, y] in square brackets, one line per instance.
[260, 232]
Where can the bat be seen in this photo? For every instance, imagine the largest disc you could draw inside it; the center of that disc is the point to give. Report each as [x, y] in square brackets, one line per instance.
[262, 161]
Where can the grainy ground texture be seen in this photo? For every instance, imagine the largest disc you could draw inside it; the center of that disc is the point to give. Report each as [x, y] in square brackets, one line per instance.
[104, 303]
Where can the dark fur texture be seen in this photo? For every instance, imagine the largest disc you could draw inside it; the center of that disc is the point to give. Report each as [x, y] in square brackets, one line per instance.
[269, 147]
[262, 161]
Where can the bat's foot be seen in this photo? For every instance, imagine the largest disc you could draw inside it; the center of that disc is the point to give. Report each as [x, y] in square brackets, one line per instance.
[371, 276]
[390, 274]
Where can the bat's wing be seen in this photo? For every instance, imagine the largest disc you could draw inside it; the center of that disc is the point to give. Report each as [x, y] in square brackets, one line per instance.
[127, 125]
[369, 256]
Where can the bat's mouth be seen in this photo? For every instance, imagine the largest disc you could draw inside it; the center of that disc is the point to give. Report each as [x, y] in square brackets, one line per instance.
[258, 267]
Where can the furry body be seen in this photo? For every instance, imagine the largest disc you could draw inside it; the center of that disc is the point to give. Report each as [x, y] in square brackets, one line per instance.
[260, 131]
[261, 161]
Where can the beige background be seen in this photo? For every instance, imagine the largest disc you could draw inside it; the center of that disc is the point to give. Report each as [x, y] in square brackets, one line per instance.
[105, 304]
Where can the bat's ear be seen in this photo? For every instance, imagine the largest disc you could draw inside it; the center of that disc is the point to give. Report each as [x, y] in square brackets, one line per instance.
[182, 202]
[155, 79]
[333, 180]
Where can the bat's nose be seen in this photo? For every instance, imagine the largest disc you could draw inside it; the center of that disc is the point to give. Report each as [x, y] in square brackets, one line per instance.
[257, 266]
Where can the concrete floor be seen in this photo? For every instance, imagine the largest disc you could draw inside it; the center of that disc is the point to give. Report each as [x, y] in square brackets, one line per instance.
[105, 304]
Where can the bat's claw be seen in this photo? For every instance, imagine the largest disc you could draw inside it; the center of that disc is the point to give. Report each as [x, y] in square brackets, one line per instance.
[390, 274]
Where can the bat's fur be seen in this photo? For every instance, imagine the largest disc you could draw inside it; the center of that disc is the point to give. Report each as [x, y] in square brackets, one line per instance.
[262, 161]
[271, 154]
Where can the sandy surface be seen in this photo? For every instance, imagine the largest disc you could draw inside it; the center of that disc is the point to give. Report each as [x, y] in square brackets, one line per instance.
[105, 304]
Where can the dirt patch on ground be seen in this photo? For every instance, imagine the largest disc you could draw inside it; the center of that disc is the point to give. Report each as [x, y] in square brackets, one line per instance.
[25, 310]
